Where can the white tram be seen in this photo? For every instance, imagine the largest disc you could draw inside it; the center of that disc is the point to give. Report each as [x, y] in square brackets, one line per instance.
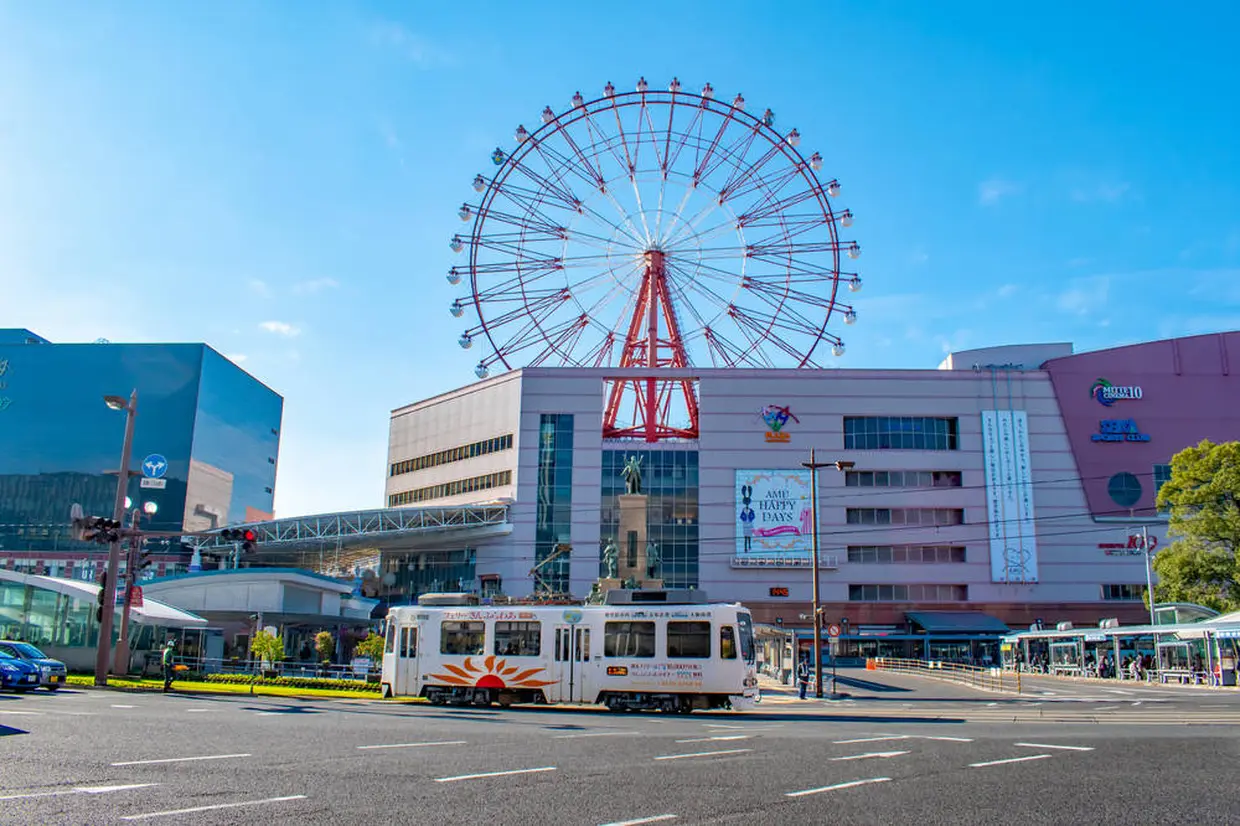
[665, 650]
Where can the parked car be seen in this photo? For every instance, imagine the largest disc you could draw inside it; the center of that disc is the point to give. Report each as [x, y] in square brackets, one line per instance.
[18, 675]
[52, 673]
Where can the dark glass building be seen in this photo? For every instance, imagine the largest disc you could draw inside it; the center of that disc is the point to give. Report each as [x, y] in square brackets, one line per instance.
[206, 444]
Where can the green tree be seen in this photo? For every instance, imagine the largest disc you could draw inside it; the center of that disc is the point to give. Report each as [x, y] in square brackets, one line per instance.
[269, 648]
[1201, 564]
[325, 644]
[371, 647]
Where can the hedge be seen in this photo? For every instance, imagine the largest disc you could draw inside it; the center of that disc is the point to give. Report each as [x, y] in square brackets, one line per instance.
[293, 682]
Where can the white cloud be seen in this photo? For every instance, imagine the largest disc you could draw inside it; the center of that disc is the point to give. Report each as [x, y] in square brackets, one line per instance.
[994, 190]
[237, 358]
[282, 328]
[314, 286]
[1104, 192]
[1086, 295]
[1007, 290]
[259, 288]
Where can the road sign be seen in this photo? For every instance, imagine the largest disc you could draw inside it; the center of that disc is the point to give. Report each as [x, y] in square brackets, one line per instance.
[833, 630]
[154, 466]
[156, 484]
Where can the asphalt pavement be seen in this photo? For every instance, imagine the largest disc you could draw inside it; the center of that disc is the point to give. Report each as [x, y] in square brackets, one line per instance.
[898, 750]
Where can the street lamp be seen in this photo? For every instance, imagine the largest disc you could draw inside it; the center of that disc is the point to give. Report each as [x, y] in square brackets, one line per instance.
[813, 465]
[114, 548]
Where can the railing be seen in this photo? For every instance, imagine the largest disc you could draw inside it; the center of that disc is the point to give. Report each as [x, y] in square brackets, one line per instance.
[986, 679]
[286, 668]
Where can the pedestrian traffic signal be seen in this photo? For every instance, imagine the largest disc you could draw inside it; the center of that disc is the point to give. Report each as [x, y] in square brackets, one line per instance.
[103, 592]
[245, 536]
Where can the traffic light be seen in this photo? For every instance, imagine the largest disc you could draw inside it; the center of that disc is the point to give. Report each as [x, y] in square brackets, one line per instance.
[96, 529]
[103, 593]
[144, 558]
[245, 536]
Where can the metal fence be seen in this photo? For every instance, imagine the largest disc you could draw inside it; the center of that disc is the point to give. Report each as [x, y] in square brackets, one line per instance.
[986, 679]
[288, 668]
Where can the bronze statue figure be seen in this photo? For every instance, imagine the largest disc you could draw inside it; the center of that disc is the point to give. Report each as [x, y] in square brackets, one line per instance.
[632, 474]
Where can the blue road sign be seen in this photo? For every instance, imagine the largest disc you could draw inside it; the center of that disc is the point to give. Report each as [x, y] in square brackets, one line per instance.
[154, 466]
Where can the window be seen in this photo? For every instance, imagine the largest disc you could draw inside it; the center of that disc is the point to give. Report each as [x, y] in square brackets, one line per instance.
[905, 554]
[690, 640]
[518, 639]
[628, 639]
[747, 646]
[934, 517]
[727, 642]
[476, 483]
[902, 478]
[1123, 592]
[454, 454]
[1162, 475]
[390, 642]
[409, 645]
[908, 593]
[462, 638]
[900, 433]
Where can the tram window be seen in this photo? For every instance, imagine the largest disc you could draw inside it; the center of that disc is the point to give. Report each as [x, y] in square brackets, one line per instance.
[392, 631]
[628, 639]
[518, 639]
[746, 626]
[690, 640]
[727, 642]
[462, 638]
[409, 644]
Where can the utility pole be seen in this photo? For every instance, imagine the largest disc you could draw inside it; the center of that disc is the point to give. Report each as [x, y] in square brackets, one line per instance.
[1149, 571]
[114, 547]
[814, 465]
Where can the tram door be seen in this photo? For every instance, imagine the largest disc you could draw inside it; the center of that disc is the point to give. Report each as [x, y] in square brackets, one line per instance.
[407, 660]
[572, 654]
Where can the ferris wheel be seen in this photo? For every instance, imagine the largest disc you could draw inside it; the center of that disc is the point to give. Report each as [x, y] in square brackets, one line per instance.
[654, 228]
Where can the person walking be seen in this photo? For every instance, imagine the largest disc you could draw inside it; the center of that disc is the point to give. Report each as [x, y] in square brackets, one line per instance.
[169, 653]
[803, 676]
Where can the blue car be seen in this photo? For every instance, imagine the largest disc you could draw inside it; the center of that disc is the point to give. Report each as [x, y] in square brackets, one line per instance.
[52, 673]
[18, 675]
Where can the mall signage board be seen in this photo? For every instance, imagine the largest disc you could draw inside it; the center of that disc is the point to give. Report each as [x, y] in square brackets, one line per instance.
[774, 520]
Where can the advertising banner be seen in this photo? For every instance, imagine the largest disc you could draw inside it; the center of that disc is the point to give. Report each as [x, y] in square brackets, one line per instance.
[1009, 496]
[774, 520]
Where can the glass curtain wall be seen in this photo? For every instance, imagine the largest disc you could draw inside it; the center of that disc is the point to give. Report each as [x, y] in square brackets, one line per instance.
[554, 517]
[670, 480]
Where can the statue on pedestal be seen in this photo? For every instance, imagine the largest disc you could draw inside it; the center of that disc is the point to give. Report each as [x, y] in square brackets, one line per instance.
[654, 560]
[611, 559]
[632, 474]
[631, 583]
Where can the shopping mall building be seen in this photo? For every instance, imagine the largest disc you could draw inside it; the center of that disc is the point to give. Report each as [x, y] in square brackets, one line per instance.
[1013, 482]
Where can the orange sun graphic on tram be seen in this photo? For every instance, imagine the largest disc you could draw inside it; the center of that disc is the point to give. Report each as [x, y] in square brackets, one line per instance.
[493, 673]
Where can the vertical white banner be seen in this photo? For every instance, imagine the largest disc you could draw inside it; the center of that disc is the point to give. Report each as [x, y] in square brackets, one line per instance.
[1009, 496]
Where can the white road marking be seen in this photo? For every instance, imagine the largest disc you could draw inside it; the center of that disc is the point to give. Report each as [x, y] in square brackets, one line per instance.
[596, 734]
[117, 705]
[26, 713]
[1118, 691]
[197, 710]
[1137, 703]
[178, 759]
[702, 754]
[1009, 760]
[991, 705]
[868, 755]
[216, 806]
[870, 739]
[848, 785]
[1049, 746]
[655, 819]
[80, 790]
[493, 774]
[950, 739]
[414, 745]
[1107, 708]
[710, 739]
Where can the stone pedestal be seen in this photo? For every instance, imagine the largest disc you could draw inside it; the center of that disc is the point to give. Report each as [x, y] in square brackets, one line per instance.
[632, 539]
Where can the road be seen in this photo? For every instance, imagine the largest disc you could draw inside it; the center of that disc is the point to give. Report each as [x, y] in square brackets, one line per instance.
[901, 749]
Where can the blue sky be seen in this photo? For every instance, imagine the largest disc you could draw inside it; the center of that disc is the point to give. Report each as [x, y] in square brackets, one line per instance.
[282, 185]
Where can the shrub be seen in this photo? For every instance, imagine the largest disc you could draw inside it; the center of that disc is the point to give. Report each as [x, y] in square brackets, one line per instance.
[294, 682]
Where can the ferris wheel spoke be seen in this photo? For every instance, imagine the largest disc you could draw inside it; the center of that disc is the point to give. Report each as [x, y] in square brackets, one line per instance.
[596, 171]
[691, 225]
[548, 186]
[726, 354]
[771, 206]
[732, 156]
[782, 230]
[699, 170]
[686, 284]
[770, 185]
[701, 270]
[560, 341]
[685, 135]
[762, 329]
[745, 172]
[546, 226]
